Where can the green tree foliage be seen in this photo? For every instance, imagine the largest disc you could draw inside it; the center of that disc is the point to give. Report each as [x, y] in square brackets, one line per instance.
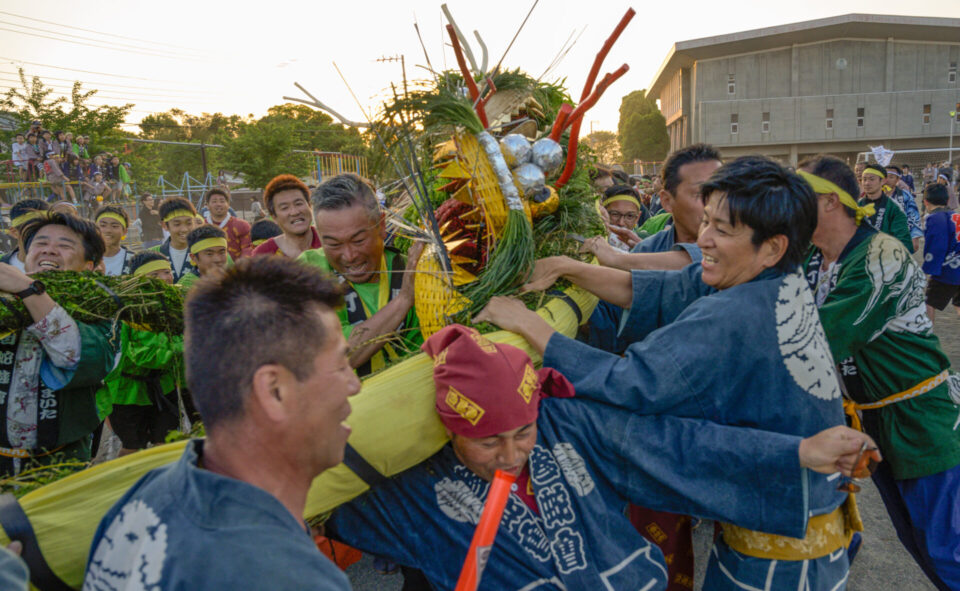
[642, 130]
[264, 148]
[32, 100]
[605, 145]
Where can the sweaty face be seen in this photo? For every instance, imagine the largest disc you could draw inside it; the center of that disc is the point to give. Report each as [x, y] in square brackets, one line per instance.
[870, 183]
[179, 227]
[209, 260]
[219, 208]
[729, 256]
[292, 212]
[623, 214]
[165, 275]
[56, 247]
[353, 242]
[321, 400]
[507, 451]
[111, 230]
[685, 203]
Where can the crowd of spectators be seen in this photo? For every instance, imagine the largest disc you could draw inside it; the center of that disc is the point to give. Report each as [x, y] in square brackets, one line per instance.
[67, 164]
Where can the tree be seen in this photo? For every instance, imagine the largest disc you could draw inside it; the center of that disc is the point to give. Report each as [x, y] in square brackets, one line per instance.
[642, 130]
[605, 144]
[33, 101]
[265, 148]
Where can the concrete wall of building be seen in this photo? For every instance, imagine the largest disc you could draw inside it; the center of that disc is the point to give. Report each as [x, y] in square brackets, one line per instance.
[795, 88]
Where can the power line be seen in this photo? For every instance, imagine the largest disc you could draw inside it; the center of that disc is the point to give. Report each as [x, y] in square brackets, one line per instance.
[98, 84]
[136, 99]
[97, 90]
[94, 31]
[114, 44]
[93, 45]
[16, 61]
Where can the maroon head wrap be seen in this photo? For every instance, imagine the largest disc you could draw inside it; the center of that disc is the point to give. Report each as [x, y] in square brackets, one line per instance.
[484, 388]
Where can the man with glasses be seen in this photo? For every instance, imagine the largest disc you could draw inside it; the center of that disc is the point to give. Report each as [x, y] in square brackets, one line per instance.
[625, 212]
[377, 317]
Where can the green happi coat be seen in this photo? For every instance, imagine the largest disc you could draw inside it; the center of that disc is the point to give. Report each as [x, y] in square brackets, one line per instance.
[873, 311]
[890, 218]
[144, 356]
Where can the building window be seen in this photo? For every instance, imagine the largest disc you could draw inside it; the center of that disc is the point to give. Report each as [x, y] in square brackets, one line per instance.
[829, 118]
[926, 114]
[952, 74]
[731, 84]
[956, 113]
[861, 113]
[765, 122]
[734, 123]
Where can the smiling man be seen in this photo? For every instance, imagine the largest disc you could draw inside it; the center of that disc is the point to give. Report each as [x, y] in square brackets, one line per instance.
[736, 339]
[288, 201]
[229, 514]
[577, 464]
[208, 254]
[887, 215]
[378, 317]
[50, 371]
[237, 231]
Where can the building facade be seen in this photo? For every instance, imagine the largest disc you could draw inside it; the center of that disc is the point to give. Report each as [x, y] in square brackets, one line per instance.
[835, 85]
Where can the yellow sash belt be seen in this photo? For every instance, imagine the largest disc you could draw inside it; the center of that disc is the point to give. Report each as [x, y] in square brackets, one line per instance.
[825, 534]
[850, 407]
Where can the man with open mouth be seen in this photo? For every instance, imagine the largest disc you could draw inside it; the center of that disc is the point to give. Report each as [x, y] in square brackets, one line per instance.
[50, 371]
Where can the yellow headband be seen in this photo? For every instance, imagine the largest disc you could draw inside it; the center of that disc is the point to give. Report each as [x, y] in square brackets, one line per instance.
[208, 243]
[615, 198]
[150, 267]
[874, 172]
[258, 242]
[26, 217]
[113, 216]
[176, 213]
[822, 186]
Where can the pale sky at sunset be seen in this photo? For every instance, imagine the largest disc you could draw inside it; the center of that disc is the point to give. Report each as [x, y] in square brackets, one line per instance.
[242, 57]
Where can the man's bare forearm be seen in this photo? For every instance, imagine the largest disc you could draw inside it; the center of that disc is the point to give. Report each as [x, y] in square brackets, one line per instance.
[608, 284]
[368, 337]
[652, 261]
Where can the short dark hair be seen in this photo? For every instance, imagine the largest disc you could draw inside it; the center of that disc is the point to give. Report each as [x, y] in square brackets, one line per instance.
[936, 194]
[259, 300]
[621, 190]
[877, 167]
[837, 172]
[202, 233]
[93, 246]
[283, 182]
[264, 230]
[144, 196]
[26, 206]
[770, 200]
[113, 209]
[688, 155]
[621, 177]
[145, 256]
[895, 169]
[172, 204]
[346, 190]
[216, 191]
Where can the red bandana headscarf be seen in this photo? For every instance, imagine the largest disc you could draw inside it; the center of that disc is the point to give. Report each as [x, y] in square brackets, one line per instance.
[484, 388]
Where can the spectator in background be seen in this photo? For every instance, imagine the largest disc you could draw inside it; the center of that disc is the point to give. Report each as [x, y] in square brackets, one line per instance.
[55, 177]
[941, 251]
[237, 231]
[907, 178]
[61, 143]
[36, 127]
[222, 178]
[18, 151]
[73, 169]
[943, 178]
[96, 166]
[94, 191]
[32, 153]
[123, 180]
[929, 174]
[151, 233]
[47, 143]
[111, 174]
[80, 147]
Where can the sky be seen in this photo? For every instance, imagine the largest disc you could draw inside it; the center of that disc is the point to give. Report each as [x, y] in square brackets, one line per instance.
[242, 57]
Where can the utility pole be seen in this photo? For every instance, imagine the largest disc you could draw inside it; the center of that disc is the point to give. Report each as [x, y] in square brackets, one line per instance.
[403, 66]
[953, 119]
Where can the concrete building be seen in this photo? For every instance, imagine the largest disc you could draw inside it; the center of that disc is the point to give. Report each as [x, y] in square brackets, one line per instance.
[834, 85]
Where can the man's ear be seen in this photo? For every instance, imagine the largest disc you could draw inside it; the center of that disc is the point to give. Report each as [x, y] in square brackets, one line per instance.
[773, 249]
[193, 259]
[88, 265]
[268, 393]
[666, 201]
[383, 225]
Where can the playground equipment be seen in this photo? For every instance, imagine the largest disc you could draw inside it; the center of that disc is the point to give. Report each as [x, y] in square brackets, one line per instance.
[327, 164]
[189, 187]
